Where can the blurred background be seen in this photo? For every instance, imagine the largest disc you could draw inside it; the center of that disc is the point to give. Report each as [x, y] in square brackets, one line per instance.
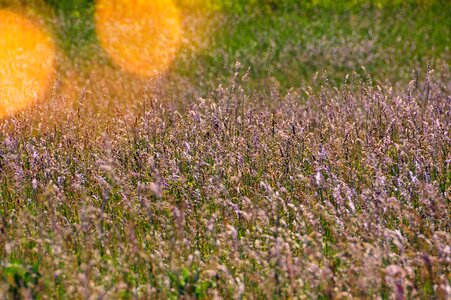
[285, 44]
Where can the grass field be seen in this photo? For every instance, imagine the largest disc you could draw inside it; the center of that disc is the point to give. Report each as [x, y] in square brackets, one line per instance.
[293, 150]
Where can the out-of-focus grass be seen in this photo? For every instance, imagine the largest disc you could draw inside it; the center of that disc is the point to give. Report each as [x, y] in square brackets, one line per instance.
[290, 46]
[75, 27]
[286, 42]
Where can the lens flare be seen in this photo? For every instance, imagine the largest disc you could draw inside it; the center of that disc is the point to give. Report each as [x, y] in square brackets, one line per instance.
[27, 62]
[140, 36]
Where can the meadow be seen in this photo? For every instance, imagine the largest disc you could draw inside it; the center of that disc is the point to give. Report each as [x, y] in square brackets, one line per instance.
[292, 150]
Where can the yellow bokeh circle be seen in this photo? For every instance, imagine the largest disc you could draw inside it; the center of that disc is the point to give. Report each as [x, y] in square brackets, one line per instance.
[27, 62]
[140, 36]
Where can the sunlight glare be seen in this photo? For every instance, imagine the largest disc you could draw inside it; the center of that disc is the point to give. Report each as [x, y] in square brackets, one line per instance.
[27, 62]
[141, 36]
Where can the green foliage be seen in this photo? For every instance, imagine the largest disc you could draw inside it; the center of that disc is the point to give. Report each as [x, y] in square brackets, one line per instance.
[246, 6]
[21, 277]
[291, 46]
[189, 284]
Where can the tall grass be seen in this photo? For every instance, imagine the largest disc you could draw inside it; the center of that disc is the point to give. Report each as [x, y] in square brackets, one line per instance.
[329, 194]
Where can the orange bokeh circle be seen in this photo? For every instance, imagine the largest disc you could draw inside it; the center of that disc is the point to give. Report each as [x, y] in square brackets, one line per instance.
[141, 36]
[27, 62]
